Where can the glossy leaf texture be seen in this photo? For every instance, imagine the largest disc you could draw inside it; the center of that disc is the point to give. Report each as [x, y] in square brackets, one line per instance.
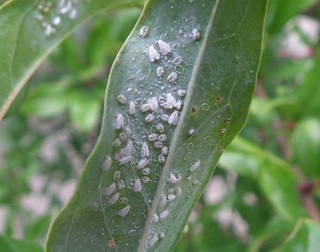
[178, 94]
[30, 30]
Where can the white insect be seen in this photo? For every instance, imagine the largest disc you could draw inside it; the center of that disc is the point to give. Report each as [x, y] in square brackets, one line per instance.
[143, 32]
[121, 185]
[142, 163]
[177, 60]
[160, 127]
[153, 54]
[158, 144]
[122, 99]
[164, 47]
[191, 131]
[164, 117]
[123, 136]
[161, 159]
[162, 200]
[155, 218]
[153, 104]
[73, 13]
[171, 197]
[146, 171]
[152, 137]
[195, 166]
[172, 77]
[132, 108]
[116, 175]
[181, 92]
[119, 123]
[172, 179]
[114, 198]
[144, 150]
[195, 34]
[149, 118]
[107, 163]
[170, 102]
[162, 137]
[110, 189]
[136, 186]
[145, 108]
[164, 214]
[127, 151]
[56, 20]
[117, 142]
[160, 71]
[154, 239]
[174, 117]
[124, 159]
[164, 150]
[178, 191]
[124, 211]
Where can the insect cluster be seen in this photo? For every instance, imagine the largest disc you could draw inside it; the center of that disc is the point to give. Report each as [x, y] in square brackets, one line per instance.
[144, 124]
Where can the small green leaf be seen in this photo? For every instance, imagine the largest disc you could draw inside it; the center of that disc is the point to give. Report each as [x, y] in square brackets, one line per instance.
[158, 147]
[305, 237]
[30, 30]
[280, 187]
[10, 245]
[306, 147]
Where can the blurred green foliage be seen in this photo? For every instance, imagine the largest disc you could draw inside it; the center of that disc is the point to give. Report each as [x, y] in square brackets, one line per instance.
[269, 176]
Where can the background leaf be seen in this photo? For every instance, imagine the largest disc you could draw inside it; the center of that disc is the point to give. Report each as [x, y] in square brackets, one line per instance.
[30, 31]
[218, 72]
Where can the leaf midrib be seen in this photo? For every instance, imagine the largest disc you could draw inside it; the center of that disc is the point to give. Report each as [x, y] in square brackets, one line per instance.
[178, 130]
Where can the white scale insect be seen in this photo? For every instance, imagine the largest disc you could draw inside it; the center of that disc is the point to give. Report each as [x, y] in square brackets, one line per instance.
[172, 77]
[143, 32]
[107, 163]
[122, 99]
[124, 211]
[160, 71]
[170, 102]
[171, 197]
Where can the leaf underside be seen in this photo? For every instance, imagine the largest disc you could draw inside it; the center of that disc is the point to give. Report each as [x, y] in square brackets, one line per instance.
[135, 206]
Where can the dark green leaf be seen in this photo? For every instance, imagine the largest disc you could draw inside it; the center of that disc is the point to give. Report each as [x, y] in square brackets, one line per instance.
[218, 71]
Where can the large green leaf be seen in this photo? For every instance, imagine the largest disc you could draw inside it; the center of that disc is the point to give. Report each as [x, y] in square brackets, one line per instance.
[117, 204]
[30, 30]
